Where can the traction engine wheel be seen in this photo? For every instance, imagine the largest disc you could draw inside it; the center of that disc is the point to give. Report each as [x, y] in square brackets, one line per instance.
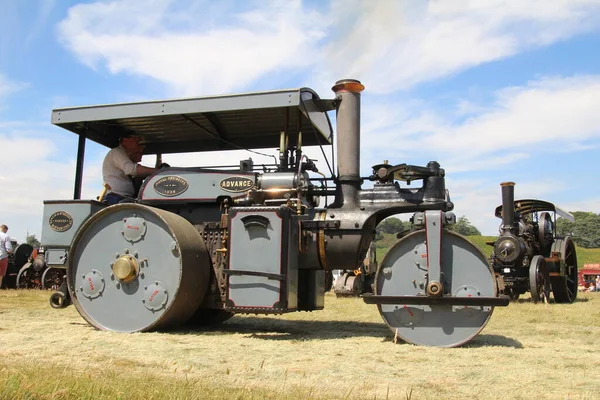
[52, 278]
[135, 268]
[464, 272]
[564, 287]
[539, 280]
[29, 278]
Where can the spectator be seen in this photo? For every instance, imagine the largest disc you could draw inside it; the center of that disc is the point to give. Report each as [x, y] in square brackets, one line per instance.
[5, 250]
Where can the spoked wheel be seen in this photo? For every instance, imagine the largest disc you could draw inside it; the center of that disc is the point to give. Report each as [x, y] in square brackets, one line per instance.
[465, 272]
[52, 278]
[564, 287]
[539, 280]
[29, 278]
[136, 268]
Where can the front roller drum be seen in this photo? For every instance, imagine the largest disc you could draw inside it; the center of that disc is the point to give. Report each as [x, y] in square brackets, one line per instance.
[440, 319]
[135, 268]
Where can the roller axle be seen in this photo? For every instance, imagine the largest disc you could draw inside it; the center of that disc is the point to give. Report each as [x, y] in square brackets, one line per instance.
[429, 300]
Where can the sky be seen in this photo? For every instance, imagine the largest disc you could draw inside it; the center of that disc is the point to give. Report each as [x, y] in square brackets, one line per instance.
[494, 90]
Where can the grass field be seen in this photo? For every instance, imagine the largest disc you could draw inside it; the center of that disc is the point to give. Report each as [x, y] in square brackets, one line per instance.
[343, 352]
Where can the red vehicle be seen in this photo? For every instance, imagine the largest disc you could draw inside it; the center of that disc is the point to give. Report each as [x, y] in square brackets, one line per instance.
[588, 274]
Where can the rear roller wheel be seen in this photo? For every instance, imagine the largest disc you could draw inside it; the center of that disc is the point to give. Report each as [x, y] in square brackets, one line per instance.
[135, 268]
[564, 287]
[465, 272]
[539, 280]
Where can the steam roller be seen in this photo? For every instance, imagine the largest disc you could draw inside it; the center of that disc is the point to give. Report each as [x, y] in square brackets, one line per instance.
[135, 268]
[198, 245]
[426, 278]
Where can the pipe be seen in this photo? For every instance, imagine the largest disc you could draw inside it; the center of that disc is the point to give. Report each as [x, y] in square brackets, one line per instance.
[348, 143]
[508, 205]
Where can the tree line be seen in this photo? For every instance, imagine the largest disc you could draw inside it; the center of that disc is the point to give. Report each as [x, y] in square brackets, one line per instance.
[395, 225]
[584, 231]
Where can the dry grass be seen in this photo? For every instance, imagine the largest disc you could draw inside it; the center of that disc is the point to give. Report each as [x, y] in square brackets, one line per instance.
[343, 352]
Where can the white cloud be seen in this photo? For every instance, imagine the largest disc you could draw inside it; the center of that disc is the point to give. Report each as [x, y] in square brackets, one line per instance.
[547, 116]
[215, 48]
[399, 44]
[201, 55]
[7, 86]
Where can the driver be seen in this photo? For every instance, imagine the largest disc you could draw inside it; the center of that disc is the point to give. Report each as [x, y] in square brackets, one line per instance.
[120, 165]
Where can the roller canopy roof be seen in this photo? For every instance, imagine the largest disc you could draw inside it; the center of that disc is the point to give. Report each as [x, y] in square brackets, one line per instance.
[229, 122]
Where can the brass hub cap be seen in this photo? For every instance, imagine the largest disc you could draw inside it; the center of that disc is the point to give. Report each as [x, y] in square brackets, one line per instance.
[434, 289]
[125, 268]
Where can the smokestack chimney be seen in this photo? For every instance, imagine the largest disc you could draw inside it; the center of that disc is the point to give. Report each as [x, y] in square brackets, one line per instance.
[348, 140]
[508, 205]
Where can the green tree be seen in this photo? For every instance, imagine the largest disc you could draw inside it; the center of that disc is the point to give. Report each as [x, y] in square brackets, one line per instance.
[464, 227]
[32, 241]
[585, 230]
[390, 225]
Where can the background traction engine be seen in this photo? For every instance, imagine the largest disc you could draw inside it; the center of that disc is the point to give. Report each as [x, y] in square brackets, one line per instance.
[528, 256]
[20, 257]
[199, 245]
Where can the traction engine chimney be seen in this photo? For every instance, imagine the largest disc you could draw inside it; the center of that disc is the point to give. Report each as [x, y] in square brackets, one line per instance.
[348, 143]
[508, 205]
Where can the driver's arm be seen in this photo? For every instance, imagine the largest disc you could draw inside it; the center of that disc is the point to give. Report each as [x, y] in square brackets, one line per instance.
[142, 171]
